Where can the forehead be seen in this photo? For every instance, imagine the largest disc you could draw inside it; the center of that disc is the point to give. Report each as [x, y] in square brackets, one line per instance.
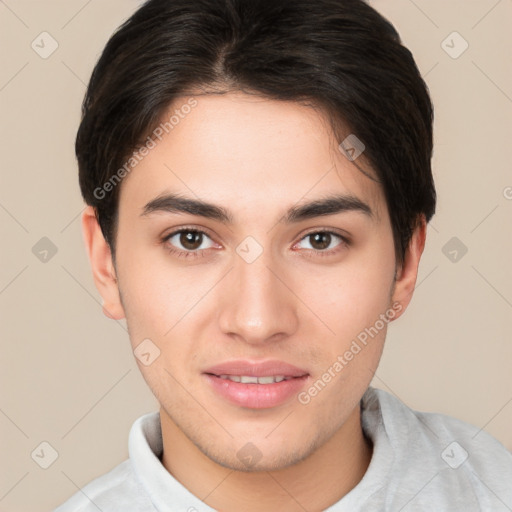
[246, 152]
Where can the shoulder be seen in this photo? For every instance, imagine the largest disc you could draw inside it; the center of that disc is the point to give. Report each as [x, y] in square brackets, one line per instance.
[116, 491]
[437, 457]
[121, 489]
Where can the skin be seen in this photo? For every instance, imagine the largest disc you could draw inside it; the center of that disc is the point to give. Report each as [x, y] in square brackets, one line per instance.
[297, 302]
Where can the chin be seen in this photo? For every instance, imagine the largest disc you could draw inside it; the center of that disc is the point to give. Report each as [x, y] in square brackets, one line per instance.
[260, 455]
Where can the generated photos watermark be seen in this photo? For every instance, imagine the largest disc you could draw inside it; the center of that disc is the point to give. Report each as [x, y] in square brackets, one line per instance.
[143, 151]
[357, 345]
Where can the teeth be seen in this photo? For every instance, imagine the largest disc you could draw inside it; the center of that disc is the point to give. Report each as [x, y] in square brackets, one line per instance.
[245, 379]
[266, 380]
[248, 380]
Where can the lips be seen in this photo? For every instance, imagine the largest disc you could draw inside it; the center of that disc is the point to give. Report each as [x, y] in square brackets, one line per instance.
[270, 368]
[256, 385]
[247, 379]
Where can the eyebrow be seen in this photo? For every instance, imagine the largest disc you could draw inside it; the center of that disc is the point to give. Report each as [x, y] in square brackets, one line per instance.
[330, 205]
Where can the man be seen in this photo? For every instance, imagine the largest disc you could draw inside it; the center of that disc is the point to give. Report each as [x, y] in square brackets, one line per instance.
[258, 184]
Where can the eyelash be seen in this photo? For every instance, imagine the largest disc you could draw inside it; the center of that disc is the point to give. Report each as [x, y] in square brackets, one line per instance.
[344, 242]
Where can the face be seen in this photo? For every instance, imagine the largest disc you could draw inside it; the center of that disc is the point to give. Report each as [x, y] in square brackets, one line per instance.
[255, 286]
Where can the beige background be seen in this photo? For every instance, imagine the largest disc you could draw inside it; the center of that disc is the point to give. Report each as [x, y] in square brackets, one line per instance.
[67, 374]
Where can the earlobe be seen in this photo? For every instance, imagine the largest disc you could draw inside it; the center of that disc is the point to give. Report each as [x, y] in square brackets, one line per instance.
[408, 272]
[103, 269]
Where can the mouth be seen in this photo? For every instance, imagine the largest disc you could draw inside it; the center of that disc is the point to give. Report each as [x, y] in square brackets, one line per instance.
[248, 379]
[256, 385]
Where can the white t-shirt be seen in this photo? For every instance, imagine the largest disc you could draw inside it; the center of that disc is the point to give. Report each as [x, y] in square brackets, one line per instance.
[420, 462]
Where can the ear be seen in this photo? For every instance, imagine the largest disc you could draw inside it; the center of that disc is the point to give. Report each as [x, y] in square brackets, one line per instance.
[103, 269]
[407, 273]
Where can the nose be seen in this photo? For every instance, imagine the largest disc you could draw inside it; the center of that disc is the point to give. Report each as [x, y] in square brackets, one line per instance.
[258, 305]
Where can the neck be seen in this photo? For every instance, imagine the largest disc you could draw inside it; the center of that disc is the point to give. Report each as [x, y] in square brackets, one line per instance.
[313, 484]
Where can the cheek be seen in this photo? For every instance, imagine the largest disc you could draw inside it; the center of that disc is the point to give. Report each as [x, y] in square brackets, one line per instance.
[157, 294]
[351, 297]
[355, 305]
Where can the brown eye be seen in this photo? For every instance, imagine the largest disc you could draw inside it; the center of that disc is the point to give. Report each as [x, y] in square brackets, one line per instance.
[191, 240]
[320, 241]
[325, 242]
